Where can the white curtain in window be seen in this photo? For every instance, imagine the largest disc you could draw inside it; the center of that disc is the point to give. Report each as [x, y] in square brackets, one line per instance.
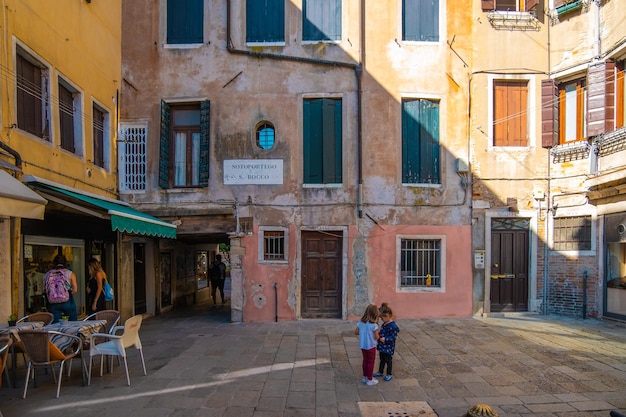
[180, 159]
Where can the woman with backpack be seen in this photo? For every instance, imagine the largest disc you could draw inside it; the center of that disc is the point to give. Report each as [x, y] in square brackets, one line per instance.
[60, 284]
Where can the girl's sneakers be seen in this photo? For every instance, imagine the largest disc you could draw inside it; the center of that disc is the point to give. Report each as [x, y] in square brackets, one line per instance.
[372, 381]
[388, 378]
[377, 374]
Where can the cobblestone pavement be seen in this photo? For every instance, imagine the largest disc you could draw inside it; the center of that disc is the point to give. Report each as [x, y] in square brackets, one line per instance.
[200, 364]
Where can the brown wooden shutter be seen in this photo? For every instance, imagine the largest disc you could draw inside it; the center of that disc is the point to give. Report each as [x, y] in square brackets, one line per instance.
[619, 93]
[549, 114]
[600, 98]
[488, 5]
[530, 4]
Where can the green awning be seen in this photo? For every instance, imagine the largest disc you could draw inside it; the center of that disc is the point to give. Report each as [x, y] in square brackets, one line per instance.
[123, 217]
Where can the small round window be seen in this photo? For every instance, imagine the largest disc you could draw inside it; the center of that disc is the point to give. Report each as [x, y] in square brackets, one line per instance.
[265, 135]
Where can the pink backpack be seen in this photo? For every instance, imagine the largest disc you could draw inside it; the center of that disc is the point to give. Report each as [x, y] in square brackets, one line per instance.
[57, 287]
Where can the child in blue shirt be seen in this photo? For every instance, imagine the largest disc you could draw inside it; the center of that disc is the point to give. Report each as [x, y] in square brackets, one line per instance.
[367, 330]
[387, 342]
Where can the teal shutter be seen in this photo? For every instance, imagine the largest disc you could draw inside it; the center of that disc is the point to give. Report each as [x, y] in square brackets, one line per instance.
[185, 21]
[265, 21]
[322, 141]
[164, 147]
[205, 129]
[420, 142]
[312, 141]
[331, 123]
[420, 20]
[321, 20]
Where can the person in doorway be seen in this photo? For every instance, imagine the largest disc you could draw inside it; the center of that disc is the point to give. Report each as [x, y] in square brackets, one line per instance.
[387, 342]
[95, 286]
[367, 330]
[60, 285]
[217, 274]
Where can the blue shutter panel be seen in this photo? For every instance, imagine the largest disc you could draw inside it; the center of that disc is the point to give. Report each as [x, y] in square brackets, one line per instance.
[331, 121]
[265, 21]
[420, 20]
[164, 146]
[185, 21]
[429, 142]
[312, 141]
[205, 129]
[410, 139]
[321, 20]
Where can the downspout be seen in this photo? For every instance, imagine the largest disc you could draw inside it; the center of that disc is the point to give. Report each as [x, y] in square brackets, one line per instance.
[357, 68]
[546, 263]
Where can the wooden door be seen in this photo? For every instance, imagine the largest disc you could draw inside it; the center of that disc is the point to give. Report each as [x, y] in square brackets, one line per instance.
[321, 275]
[509, 270]
[140, 277]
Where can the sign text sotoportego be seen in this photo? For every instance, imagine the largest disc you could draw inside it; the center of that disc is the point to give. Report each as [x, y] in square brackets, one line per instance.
[253, 171]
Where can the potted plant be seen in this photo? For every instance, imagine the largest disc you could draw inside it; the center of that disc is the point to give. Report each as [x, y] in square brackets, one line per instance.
[65, 317]
[12, 320]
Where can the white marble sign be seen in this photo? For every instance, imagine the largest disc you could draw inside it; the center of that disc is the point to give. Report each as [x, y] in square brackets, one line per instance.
[253, 171]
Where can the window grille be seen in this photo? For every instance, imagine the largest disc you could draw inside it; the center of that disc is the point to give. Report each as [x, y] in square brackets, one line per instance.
[420, 263]
[572, 233]
[274, 245]
[132, 157]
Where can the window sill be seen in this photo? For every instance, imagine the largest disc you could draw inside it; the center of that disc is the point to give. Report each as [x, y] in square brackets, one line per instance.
[182, 45]
[321, 185]
[260, 44]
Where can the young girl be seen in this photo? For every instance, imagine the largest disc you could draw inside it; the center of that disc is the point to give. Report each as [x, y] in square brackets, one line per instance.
[387, 342]
[367, 330]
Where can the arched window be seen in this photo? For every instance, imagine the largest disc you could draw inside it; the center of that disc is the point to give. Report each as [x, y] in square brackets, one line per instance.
[265, 135]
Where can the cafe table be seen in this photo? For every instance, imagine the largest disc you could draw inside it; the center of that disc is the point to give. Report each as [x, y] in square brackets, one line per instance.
[14, 332]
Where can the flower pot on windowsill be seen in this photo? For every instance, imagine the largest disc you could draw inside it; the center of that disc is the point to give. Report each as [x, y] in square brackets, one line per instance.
[12, 322]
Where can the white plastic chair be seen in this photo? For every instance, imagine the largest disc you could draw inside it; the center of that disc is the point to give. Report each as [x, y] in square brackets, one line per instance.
[116, 345]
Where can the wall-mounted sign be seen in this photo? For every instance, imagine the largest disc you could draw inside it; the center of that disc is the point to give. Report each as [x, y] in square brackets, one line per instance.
[253, 171]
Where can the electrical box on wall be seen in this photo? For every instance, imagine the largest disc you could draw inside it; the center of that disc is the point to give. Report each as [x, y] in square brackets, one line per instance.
[461, 165]
[538, 194]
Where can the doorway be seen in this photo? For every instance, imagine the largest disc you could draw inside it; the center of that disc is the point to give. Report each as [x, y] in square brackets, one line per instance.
[321, 274]
[509, 265]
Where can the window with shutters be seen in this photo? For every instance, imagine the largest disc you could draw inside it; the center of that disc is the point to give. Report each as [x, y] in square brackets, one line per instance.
[322, 141]
[572, 111]
[185, 20]
[509, 5]
[101, 136]
[273, 244]
[321, 20]
[132, 156]
[420, 142]
[184, 145]
[510, 110]
[420, 20]
[32, 95]
[265, 21]
[70, 117]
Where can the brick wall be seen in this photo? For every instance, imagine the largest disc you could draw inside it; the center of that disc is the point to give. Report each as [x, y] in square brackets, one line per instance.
[566, 289]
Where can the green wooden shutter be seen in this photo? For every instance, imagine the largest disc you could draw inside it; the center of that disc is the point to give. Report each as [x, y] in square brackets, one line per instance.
[420, 20]
[185, 21]
[331, 125]
[429, 142]
[410, 131]
[321, 20]
[205, 129]
[312, 150]
[164, 147]
[265, 21]
[420, 142]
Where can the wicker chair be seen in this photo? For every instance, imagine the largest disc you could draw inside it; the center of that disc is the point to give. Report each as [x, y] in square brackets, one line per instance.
[44, 316]
[117, 344]
[5, 344]
[111, 316]
[43, 353]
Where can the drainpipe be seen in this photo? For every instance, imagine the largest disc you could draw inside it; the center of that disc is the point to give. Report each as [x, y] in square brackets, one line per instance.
[15, 232]
[275, 302]
[585, 273]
